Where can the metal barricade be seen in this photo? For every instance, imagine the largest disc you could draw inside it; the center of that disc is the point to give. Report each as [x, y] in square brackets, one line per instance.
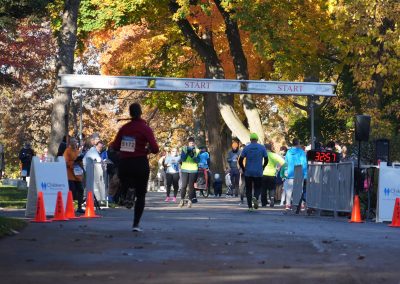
[330, 186]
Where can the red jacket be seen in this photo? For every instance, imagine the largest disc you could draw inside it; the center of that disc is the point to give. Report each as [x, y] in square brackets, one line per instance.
[135, 139]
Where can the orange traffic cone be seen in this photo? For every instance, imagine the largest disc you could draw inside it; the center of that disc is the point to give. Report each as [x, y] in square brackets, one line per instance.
[69, 209]
[356, 213]
[59, 214]
[396, 214]
[89, 211]
[40, 216]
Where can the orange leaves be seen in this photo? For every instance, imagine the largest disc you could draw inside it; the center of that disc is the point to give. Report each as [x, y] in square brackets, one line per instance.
[121, 48]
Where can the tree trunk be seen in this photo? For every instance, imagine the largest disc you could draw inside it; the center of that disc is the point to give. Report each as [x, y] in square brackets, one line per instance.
[209, 56]
[64, 65]
[241, 69]
[212, 121]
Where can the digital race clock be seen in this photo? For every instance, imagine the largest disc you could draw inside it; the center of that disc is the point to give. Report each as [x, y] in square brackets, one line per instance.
[322, 156]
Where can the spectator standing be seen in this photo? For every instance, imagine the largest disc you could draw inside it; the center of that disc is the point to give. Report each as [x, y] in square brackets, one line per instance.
[171, 164]
[253, 171]
[294, 157]
[189, 168]
[269, 176]
[279, 180]
[135, 140]
[95, 173]
[233, 157]
[25, 156]
[74, 172]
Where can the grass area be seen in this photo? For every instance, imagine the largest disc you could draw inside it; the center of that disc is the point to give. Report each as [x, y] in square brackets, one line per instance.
[8, 226]
[11, 197]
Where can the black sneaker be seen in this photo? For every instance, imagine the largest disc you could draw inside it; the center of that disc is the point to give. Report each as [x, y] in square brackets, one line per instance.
[272, 203]
[80, 210]
[255, 203]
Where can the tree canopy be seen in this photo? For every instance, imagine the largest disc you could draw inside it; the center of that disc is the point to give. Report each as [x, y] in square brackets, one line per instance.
[352, 43]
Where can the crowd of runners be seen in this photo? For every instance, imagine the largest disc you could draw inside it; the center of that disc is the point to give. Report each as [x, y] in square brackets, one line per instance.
[255, 172]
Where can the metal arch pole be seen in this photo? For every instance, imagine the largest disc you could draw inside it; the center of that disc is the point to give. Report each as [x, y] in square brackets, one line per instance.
[312, 106]
[80, 117]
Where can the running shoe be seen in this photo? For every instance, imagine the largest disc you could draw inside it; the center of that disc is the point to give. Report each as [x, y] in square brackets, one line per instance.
[255, 203]
[167, 199]
[251, 209]
[137, 229]
[288, 207]
[189, 204]
[181, 203]
[272, 203]
[174, 199]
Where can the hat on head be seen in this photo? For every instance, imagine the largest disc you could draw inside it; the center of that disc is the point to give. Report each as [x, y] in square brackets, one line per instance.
[95, 136]
[253, 136]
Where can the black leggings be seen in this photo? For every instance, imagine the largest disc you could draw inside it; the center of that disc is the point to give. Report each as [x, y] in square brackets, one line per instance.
[268, 185]
[172, 179]
[134, 173]
[77, 191]
[250, 181]
[188, 179]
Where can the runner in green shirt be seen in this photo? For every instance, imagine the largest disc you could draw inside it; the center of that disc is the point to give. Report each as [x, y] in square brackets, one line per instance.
[275, 161]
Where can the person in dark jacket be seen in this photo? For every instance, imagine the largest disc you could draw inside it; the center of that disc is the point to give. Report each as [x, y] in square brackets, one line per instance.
[25, 156]
[255, 154]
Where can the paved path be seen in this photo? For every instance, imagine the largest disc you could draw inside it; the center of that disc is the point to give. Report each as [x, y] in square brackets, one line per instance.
[216, 241]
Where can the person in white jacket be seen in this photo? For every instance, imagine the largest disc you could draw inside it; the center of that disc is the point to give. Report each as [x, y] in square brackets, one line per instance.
[95, 173]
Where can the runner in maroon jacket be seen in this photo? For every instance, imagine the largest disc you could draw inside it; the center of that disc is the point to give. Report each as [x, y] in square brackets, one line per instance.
[134, 141]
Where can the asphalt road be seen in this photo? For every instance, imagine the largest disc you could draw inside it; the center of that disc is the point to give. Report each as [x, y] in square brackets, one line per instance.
[216, 241]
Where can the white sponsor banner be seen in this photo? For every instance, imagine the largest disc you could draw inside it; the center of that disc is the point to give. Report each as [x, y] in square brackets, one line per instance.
[388, 191]
[290, 88]
[198, 85]
[50, 178]
[102, 82]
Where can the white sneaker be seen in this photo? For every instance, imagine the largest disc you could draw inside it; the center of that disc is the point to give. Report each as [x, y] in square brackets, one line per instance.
[137, 229]
[189, 204]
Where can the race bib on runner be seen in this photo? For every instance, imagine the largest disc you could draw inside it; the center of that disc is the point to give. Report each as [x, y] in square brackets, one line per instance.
[128, 144]
[78, 171]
